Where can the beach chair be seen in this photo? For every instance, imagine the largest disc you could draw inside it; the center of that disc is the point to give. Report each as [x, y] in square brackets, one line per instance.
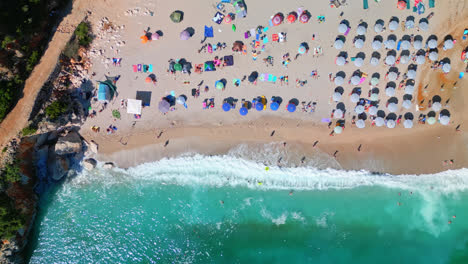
[139, 67]
[150, 69]
[135, 68]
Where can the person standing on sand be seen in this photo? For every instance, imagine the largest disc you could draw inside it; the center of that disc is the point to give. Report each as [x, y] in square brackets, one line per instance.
[359, 148]
[457, 129]
[315, 143]
[334, 154]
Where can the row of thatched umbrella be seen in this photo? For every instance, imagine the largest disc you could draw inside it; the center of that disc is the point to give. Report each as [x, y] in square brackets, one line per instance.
[379, 25]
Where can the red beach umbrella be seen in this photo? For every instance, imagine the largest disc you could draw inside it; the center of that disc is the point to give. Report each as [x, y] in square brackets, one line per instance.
[401, 5]
[277, 19]
[304, 18]
[292, 17]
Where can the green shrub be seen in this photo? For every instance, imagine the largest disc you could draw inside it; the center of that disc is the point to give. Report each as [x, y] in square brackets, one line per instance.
[10, 220]
[56, 109]
[7, 40]
[6, 97]
[29, 130]
[11, 172]
[82, 33]
[32, 60]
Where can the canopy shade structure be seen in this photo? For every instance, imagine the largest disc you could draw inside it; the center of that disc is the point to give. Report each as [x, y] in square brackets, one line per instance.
[134, 106]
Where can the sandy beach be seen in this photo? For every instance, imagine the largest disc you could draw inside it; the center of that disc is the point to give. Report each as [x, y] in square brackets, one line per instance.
[421, 149]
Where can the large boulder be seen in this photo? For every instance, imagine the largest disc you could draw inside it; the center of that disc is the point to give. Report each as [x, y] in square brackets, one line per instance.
[69, 144]
[108, 165]
[89, 164]
[60, 168]
[93, 146]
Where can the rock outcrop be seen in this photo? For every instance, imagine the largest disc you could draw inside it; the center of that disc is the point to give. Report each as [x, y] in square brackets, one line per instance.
[68, 144]
[89, 164]
[108, 165]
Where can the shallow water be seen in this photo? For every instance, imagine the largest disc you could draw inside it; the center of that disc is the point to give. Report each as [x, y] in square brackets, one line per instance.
[230, 210]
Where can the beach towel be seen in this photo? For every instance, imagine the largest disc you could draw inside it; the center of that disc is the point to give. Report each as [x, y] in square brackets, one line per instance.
[265, 40]
[139, 67]
[362, 80]
[347, 31]
[218, 18]
[365, 4]
[274, 37]
[150, 69]
[210, 48]
[275, 78]
[244, 50]
[265, 29]
[263, 77]
[325, 120]
[135, 68]
[229, 60]
[247, 35]
[431, 3]
[208, 32]
[398, 46]
[257, 36]
[145, 68]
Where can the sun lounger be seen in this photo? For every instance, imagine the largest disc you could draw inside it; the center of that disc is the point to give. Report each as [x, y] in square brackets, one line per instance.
[431, 3]
[270, 77]
[275, 78]
[139, 67]
[365, 4]
[145, 68]
[135, 68]
[150, 69]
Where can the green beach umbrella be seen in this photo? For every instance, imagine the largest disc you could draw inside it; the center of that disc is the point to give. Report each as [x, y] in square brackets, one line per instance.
[431, 120]
[219, 85]
[338, 129]
[178, 67]
[176, 16]
[374, 81]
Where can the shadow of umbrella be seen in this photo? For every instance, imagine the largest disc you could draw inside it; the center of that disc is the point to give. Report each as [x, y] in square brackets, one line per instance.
[436, 99]
[431, 114]
[341, 106]
[277, 99]
[339, 89]
[409, 116]
[393, 100]
[381, 113]
[391, 116]
[408, 97]
[445, 112]
[362, 116]
[341, 74]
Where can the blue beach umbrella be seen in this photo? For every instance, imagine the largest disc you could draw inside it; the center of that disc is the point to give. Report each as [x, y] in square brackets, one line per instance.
[291, 108]
[259, 106]
[274, 106]
[243, 111]
[226, 107]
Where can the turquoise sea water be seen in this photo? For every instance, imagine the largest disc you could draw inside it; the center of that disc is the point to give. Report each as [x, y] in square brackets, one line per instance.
[229, 210]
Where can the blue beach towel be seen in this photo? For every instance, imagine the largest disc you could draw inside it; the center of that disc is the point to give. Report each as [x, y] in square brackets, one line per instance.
[209, 32]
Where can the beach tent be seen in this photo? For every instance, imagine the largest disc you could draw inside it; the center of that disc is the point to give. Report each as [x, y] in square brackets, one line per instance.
[373, 110]
[106, 91]
[338, 113]
[374, 97]
[448, 44]
[337, 97]
[431, 120]
[209, 66]
[134, 106]
[338, 129]
[444, 120]
[361, 30]
[433, 55]
[164, 106]
[339, 80]
[417, 44]
[406, 104]
[420, 59]
[358, 62]
[404, 59]
[209, 32]
[354, 97]
[408, 123]
[359, 109]
[379, 121]
[338, 44]
[176, 16]
[432, 43]
[392, 107]
[229, 60]
[436, 106]
[411, 74]
[391, 123]
[409, 89]
[376, 44]
[390, 91]
[342, 28]
[359, 43]
[360, 123]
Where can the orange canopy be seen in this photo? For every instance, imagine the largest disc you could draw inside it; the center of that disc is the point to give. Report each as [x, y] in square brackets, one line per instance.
[144, 39]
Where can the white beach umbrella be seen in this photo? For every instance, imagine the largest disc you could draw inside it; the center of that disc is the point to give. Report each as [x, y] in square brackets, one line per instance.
[431, 120]
[340, 61]
[408, 123]
[374, 61]
[374, 97]
[359, 43]
[355, 80]
[417, 44]
[423, 26]
[379, 121]
[338, 129]
[391, 123]
[409, 24]
[390, 44]
[409, 89]
[392, 107]
[374, 81]
[420, 59]
[338, 44]
[390, 91]
[376, 45]
[436, 106]
[359, 109]
[338, 113]
[393, 25]
[354, 98]
[339, 80]
[405, 45]
[404, 59]
[390, 60]
[411, 74]
[433, 55]
[342, 28]
[373, 110]
[448, 44]
[378, 28]
[432, 44]
[406, 104]
[392, 76]
[361, 30]
[444, 120]
[446, 67]
[358, 62]
[360, 123]
[336, 97]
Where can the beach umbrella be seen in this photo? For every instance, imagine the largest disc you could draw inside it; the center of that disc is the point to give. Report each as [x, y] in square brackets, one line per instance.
[360, 123]
[338, 113]
[274, 106]
[404, 59]
[355, 80]
[417, 44]
[354, 97]
[338, 44]
[243, 111]
[177, 67]
[374, 97]
[184, 35]
[436, 106]
[338, 129]
[226, 107]
[336, 97]
[148, 79]
[409, 24]
[408, 123]
[390, 91]
[219, 85]
[392, 107]
[378, 28]
[391, 123]
[304, 18]
[302, 49]
[259, 106]
[376, 44]
[420, 59]
[373, 110]
[409, 89]
[392, 76]
[339, 80]
[393, 25]
[374, 81]
[164, 106]
[361, 30]
[144, 39]
[401, 5]
[181, 100]
[155, 36]
[432, 43]
[433, 55]
[292, 17]
[358, 62]
[446, 67]
[342, 28]
[390, 44]
[374, 61]
[277, 19]
[411, 74]
[359, 109]
[431, 120]
[444, 120]
[423, 25]
[291, 107]
[405, 45]
[406, 104]
[340, 61]
[359, 43]
[448, 44]
[176, 16]
[379, 121]
[390, 60]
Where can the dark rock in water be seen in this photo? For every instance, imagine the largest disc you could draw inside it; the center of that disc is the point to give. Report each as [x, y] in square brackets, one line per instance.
[108, 165]
[89, 164]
